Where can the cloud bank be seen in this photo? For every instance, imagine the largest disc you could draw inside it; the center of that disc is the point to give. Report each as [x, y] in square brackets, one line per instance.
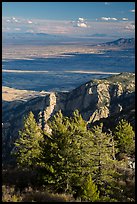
[81, 26]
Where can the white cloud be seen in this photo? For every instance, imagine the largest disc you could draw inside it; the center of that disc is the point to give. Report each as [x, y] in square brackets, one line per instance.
[79, 26]
[105, 18]
[12, 20]
[17, 29]
[16, 20]
[130, 27]
[81, 19]
[125, 19]
[114, 19]
[133, 10]
[5, 29]
[8, 21]
[81, 22]
[82, 25]
[29, 21]
[108, 18]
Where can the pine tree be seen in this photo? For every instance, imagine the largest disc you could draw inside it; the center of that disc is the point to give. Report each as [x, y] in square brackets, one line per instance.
[90, 190]
[124, 135]
[28, 145]
[56, 152]
[81, 151]
[67, 152]
[104, 163]
[72, 152]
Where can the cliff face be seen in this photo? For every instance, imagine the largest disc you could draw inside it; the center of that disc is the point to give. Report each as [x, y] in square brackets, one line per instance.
[101, 98]
[97, 99]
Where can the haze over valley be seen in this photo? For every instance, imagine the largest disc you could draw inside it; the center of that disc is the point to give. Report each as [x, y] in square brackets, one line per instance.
[35, 67]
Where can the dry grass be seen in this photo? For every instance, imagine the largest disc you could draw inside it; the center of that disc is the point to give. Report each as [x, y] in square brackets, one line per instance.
[9, 194]
[43, 196]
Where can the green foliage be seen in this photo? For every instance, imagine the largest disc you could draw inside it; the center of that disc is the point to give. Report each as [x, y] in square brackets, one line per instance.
[55, 152]
[70, 151]
[103, 160]
[124, 135]
[71, 157]
[28, 147]
[76, 152]
[90, 190]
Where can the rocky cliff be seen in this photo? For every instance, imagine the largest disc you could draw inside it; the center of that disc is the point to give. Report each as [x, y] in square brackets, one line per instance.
[112, 97]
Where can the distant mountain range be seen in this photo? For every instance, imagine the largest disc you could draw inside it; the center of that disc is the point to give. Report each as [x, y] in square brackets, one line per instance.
[38, 38]
[121, 42]
[28, 36]
[98, 35]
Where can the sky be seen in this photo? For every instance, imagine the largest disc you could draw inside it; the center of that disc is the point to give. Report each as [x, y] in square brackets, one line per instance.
[70, 18]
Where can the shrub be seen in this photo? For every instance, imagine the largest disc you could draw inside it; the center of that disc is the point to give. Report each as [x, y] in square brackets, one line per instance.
[90, 191]
[43, 196]
[10, 195]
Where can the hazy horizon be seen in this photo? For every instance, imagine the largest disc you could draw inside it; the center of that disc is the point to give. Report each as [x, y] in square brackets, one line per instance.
[70, 18]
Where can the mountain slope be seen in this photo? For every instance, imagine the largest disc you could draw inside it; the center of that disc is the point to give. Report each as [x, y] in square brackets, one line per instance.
[122, 43]
[111, 98]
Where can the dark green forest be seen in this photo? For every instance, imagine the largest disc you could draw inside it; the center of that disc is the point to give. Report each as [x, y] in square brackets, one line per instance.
[71, 161]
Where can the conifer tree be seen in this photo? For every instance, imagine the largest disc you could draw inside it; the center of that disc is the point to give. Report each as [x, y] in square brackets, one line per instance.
[124, 135]
[68, 151]
[90, 190]
[104, 163]
[56, 152]
[81, 153]
[28, 145]
[75, 159]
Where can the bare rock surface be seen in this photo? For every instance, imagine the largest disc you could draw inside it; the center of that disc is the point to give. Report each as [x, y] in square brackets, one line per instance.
[112, 97]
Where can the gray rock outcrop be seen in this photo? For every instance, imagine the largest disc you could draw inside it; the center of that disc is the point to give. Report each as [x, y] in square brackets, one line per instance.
[95, 100]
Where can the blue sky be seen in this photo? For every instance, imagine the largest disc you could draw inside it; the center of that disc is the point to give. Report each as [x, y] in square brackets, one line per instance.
[68, 10]
[69, 17]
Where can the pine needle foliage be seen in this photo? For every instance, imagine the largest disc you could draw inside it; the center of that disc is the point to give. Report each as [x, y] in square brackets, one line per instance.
[124, 135]
[28, 145]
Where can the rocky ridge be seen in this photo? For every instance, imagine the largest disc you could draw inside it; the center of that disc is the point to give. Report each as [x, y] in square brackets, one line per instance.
[112, 97]
[122, 43]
